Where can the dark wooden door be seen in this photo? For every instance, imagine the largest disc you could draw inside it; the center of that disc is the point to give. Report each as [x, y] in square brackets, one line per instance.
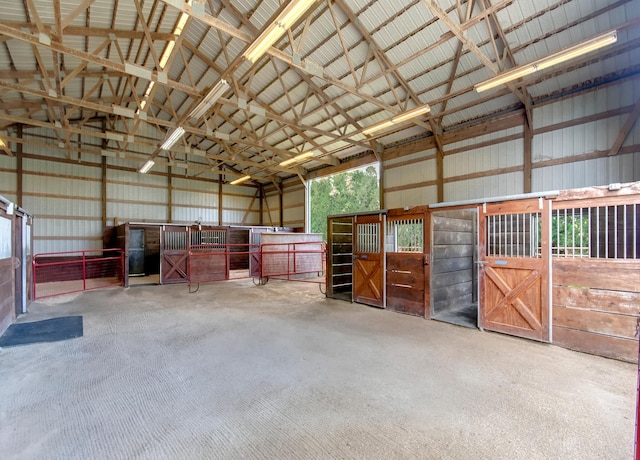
[174, 255]
[514, 268]
[368, 273]
[407, 256]
[136, 251]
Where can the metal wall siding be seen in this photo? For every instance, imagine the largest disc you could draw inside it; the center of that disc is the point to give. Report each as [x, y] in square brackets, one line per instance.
[484, 187]
[412, 173]
[411, 197]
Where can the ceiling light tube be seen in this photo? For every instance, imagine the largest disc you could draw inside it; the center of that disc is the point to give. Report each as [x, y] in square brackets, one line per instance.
[297, 158]
[410, 114]
[578, 50]
[212, 96]
[240, 180]
[549, 61]
[377, 127]
[146, 167]
[506, 77]
[172, 138]
[294, 11]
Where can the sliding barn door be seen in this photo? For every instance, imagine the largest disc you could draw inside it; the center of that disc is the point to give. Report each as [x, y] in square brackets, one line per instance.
[514, 268]
[368, 260]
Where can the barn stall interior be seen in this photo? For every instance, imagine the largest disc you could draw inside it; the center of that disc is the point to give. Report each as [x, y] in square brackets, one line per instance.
[556, 267]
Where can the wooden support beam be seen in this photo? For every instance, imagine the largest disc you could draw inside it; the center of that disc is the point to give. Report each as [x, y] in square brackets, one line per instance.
[169, 194]
[626, 129]
[527, 150]
[220, 198]
[19, 169]
[261, 221]
[281, 205]
[103, 197]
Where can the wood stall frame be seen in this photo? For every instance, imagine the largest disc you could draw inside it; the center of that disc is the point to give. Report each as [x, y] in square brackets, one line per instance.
[588, 302]
[16, 252]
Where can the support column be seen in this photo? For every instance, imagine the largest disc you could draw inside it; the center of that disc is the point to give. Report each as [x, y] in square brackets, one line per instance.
[527, 151]
[103, 170]
[261, 221]
[220, 199]
[169, 194]
[281, 196]
[19, 151]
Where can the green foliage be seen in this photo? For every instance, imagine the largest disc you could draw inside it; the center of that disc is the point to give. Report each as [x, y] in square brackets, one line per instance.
[348, 192]
[570, 233]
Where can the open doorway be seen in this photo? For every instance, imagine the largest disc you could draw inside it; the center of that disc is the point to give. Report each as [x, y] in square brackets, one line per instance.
[454, 280]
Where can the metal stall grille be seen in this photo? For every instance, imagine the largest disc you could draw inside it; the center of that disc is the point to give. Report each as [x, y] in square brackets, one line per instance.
[340, 258]
[368, 238]
[406, 235]
[513, 235]
[602, 232]
[175, 241]
[209, 238]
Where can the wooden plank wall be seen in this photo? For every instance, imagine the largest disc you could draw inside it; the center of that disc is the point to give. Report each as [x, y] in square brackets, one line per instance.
[405, 283]
[596, 306]
[453, 283]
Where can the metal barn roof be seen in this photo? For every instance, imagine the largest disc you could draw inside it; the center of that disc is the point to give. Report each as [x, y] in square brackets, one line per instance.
[131, 72]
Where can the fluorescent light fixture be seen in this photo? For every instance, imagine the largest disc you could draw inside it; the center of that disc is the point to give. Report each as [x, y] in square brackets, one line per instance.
[2, 143]
[549, 61]
[377, 127]
[397, 119]
[172, 138]
[240, 180]
[297, 158]
[271, 34]
[146, 167]
[410, 114]
[212, 96]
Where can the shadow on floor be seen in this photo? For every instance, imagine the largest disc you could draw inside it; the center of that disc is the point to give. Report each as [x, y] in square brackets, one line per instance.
[463, 316]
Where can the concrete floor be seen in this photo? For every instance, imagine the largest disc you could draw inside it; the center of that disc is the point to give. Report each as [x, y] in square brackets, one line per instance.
[278, 371]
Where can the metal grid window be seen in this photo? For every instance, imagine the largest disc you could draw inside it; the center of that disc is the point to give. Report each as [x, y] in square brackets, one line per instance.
[216, 238]
[175, 241]
[368, 239]
[602, 232]
[514, 235]
[405, 235]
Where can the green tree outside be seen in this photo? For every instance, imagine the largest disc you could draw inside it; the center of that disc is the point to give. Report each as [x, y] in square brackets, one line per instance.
[348, 192]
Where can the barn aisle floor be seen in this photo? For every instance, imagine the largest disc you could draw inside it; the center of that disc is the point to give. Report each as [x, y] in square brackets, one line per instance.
[238, 371]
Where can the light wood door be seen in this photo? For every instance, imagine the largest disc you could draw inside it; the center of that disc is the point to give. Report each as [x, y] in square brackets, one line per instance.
[368, 270]
[514, 268]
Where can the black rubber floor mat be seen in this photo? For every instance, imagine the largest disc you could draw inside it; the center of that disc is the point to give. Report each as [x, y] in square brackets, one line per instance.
[48, 330]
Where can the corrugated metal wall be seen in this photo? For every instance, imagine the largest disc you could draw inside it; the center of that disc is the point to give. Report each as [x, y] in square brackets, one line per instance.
[561, 148]
[293, 204]
[410, 180]
[64, 191]
[195, 200]
[571, 139]
[240, 205]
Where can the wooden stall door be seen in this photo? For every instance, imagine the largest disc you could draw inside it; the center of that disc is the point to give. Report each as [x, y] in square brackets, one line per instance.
[174, 255]
[514, 268]
[368, 272]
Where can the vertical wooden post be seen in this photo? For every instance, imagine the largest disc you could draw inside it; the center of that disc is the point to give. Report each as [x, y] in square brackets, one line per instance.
[381, 182]
[527, 151]
[169, 194]
[440, 173]
[103, 198]
[220, 200]
[261, 221]
[281, 196]
[527, 161]
[19, 152]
